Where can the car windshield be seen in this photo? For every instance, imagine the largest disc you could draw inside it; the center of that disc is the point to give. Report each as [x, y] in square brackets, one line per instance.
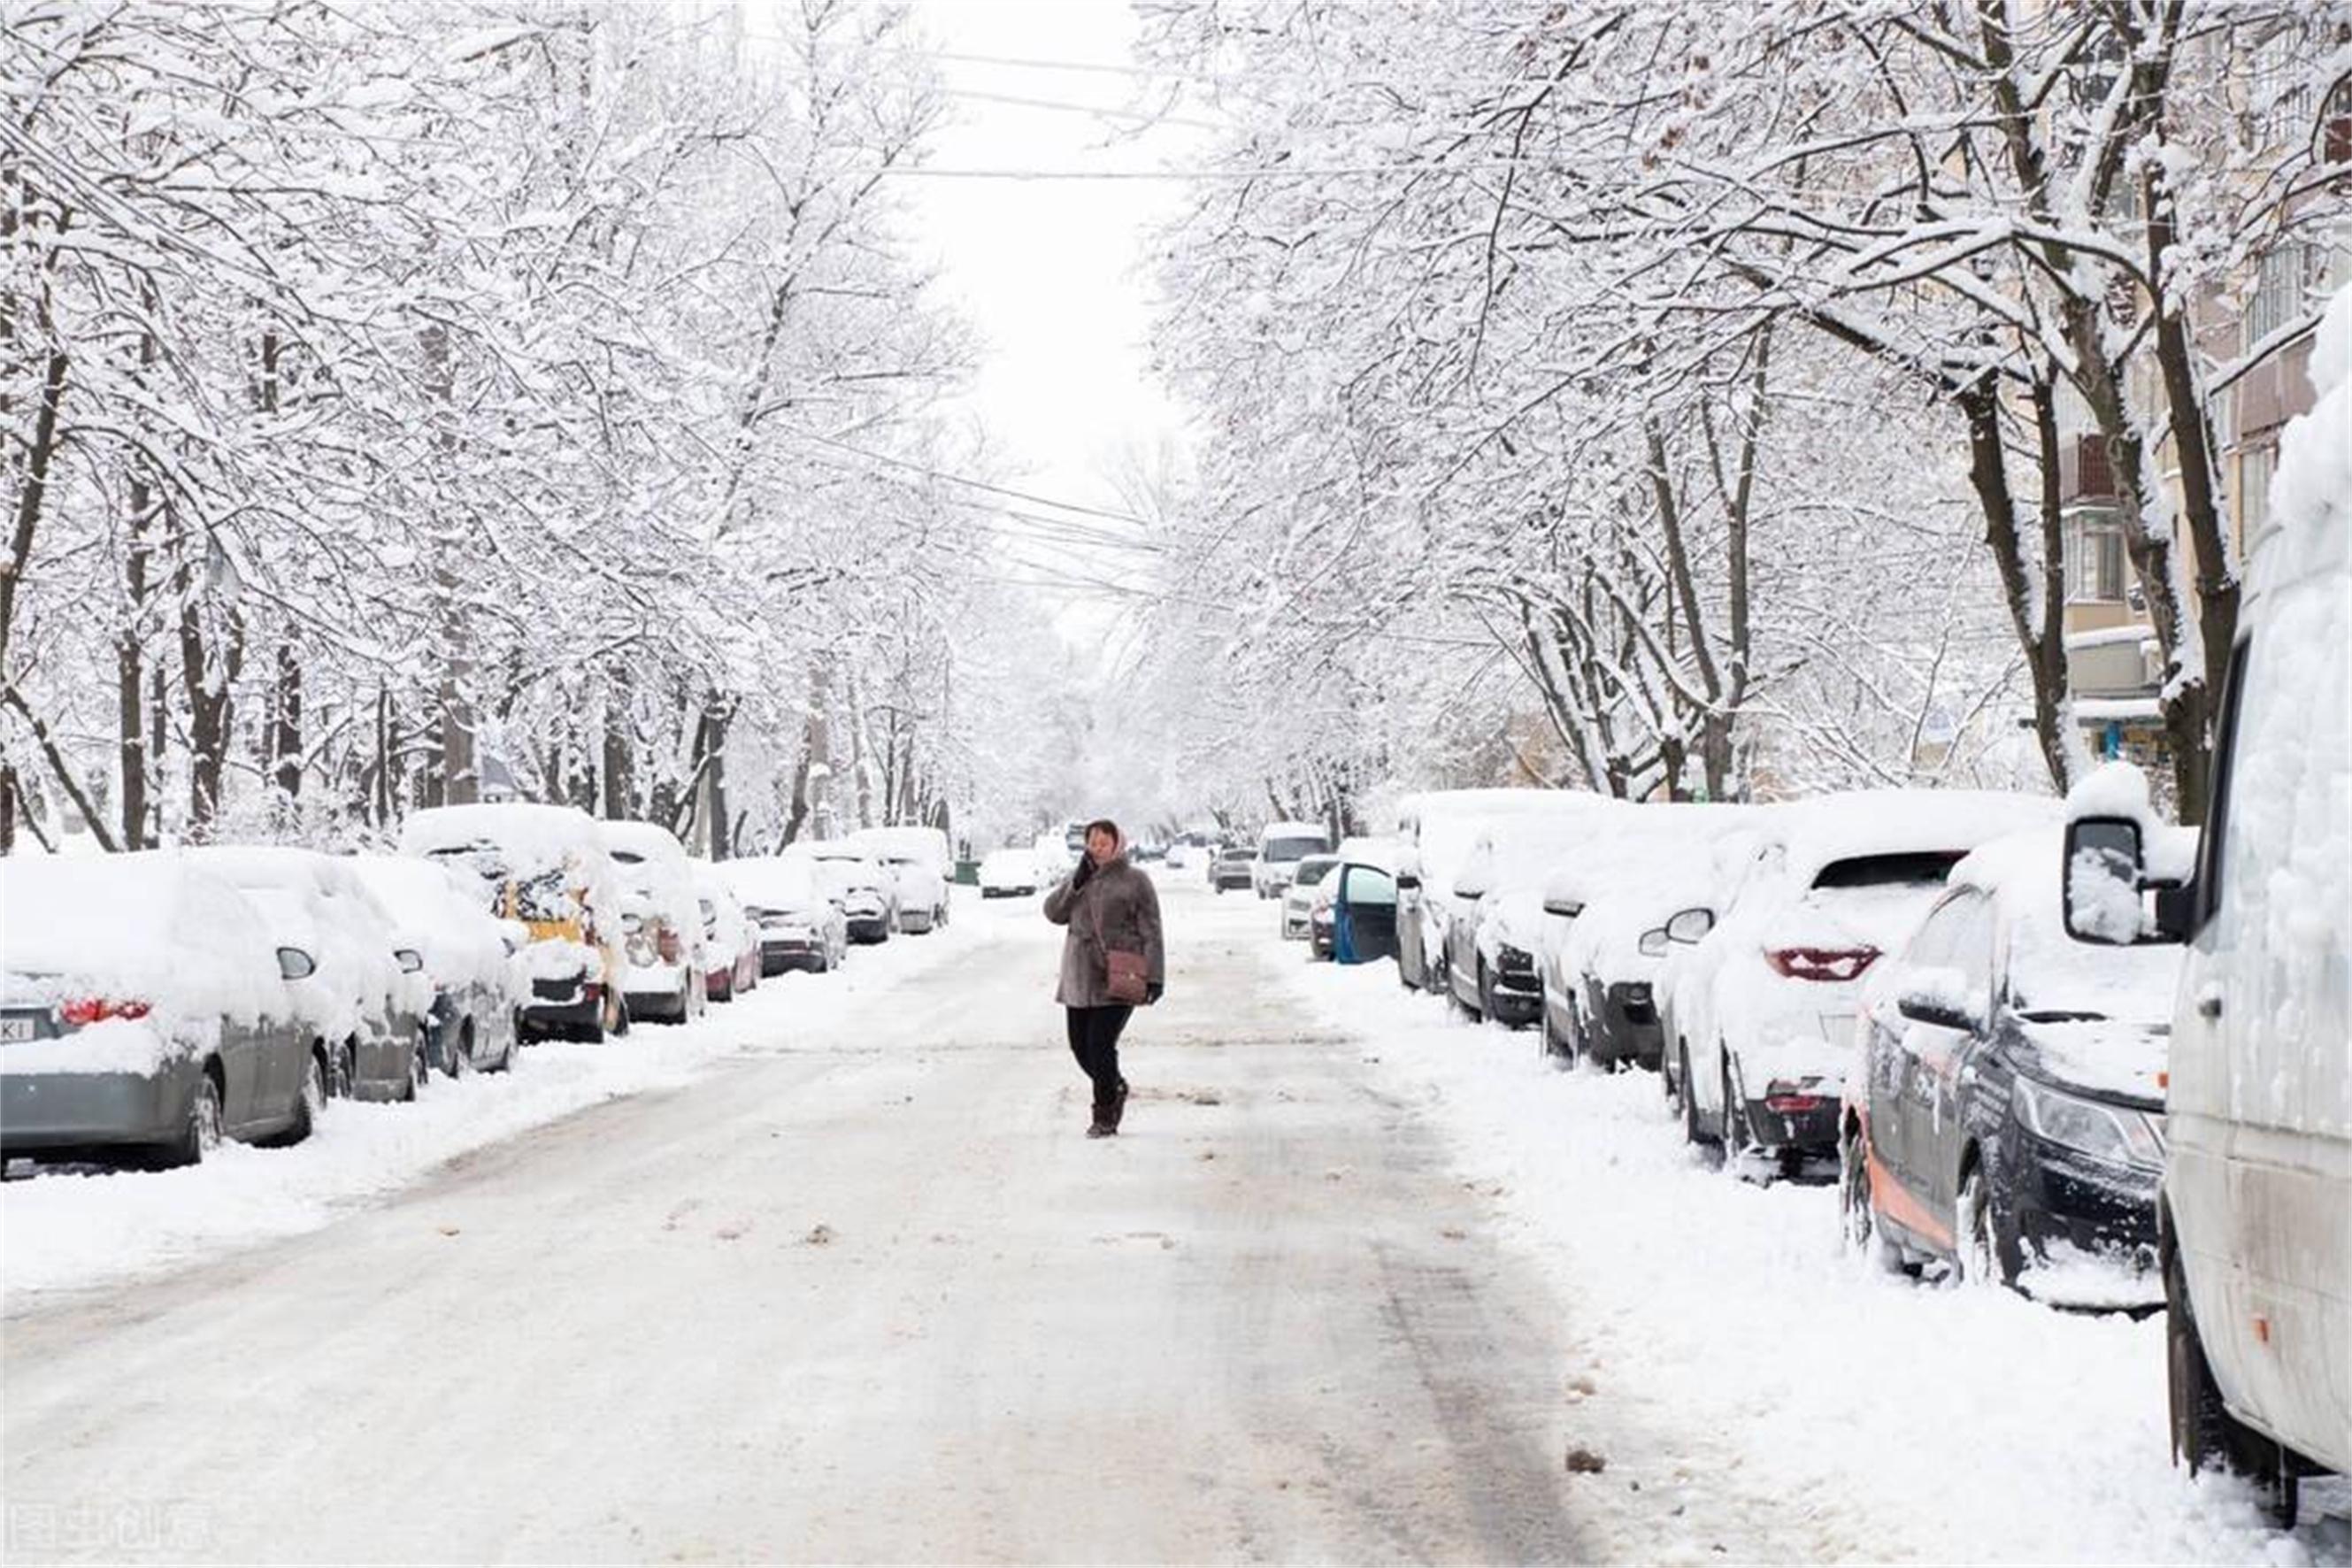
[1235, 853]
[1916, 868]
[1283, 851]
[1313, 869]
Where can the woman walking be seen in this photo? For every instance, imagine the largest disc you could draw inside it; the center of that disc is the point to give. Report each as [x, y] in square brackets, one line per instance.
[1112, 962]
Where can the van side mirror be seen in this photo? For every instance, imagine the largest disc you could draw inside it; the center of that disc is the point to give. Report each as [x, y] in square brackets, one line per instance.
[1470, 888]
[411, 961]
[1408, 882]
[2102, 877]
[1689, 926]
[293, 964]
[1655, 943]
[1566, 908]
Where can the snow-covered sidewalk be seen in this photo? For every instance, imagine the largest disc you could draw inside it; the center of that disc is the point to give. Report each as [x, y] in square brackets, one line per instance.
[1874, 1417]
[66, 1231]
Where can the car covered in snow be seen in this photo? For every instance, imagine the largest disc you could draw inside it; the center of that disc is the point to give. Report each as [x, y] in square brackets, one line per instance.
[1435, 831]
[661, 923]
[1760, 1012]
[145, 1014]
[860, 883]
[1234, 866]
[1009, 874]
[2007, 1117]
[365, 997]
[922, 869]
[1281, 846]
[1605, 942]
[799, 925]
[462, 953]
[1298, 898]
[730, 940]
[547, 867]
[1495, 921]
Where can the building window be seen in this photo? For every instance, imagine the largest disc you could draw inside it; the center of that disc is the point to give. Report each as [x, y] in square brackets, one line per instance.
[2095, 557]
[2255, 464]
[2282, 284]
[2278, 91]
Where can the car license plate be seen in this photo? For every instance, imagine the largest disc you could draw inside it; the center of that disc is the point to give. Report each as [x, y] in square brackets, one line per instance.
[18, 1028]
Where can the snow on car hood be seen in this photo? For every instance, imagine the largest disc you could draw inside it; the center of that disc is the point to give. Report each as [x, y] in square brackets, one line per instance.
[2112, 1058]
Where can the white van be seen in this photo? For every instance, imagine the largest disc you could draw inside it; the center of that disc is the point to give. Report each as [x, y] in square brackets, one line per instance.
[2257, 1208]
[1280, 848]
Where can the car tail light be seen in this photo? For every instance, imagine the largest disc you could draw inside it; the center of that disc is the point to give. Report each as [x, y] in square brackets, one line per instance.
[592, 991]
[84, 1010]
[667, 945]
[1820, 963]
[1792, 1104]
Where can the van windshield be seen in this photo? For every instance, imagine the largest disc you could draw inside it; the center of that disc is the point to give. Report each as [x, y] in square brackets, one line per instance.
[1284, 852]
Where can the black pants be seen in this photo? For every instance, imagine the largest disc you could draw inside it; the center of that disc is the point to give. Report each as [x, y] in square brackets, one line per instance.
[1094, 1040]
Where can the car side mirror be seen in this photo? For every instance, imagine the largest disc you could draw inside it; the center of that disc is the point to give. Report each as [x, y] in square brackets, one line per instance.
[1939, 1004]
[293, 964]
[1689, 926]
[2102, 878]
[1566, 908]
[1655, 943]
[1408, 882]
[411, 961]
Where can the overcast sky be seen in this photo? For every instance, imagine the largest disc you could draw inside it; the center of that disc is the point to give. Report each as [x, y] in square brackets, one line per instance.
[1048, 269]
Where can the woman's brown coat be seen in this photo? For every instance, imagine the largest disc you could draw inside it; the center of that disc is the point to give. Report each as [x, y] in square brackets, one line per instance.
[1116, 907]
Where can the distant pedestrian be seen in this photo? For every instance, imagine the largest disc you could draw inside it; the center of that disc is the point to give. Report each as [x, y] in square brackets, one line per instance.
[1112, 962]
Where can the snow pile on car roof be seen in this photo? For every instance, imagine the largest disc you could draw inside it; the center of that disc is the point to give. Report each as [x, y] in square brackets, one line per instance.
[149, 927]
[460, 943]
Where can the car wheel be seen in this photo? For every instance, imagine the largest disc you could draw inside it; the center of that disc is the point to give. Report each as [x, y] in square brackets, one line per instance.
[459, 1059]
[420, 1068]
[1972, 1224]
[200, 1134]
[346, 1080]
[2205, 1436]
[1735, 1139]
[1692, 1132]
[1857, 1213]
[619, 1029]
[1560, 1052]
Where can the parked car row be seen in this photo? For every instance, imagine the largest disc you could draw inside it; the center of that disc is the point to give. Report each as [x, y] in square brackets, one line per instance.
[152, 1005]
[1971, 1008]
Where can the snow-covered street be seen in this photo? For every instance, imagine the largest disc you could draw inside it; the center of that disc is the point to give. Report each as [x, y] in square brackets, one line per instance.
[846, 1282]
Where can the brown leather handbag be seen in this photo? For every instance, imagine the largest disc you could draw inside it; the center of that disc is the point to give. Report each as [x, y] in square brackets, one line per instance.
[1128, 977]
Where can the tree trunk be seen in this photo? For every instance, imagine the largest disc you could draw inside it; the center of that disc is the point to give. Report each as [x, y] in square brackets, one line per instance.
[620, 785]
[131, 675]
[286, 733]
[2039, 637]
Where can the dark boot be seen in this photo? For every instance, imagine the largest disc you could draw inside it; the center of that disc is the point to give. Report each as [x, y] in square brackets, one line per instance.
[1106, 1121]
[1119, 1105]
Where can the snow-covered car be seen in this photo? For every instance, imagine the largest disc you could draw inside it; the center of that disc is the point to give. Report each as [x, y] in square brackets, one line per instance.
[364, 998]
[1235, 867]
[862, 885]
[1495, 921]
[2007, 1116]
[1280, 847]
[1434, 831]
[547, 867]
[463, 955]
[661, 923]
[730, 940]
[1760, 1012]
[799, 925]
[1009, 874]
[922, 868]
[1604, 941]
[145, 1014]
[1298, 898]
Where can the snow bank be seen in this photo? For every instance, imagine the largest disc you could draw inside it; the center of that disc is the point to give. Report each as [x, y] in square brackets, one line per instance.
[1760, 1371]
[69, 1231]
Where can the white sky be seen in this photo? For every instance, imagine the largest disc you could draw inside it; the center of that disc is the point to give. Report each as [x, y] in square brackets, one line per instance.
[1048, 270]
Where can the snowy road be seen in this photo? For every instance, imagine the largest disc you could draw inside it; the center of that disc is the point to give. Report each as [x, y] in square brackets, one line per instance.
[869, 1297]
[845, 1282]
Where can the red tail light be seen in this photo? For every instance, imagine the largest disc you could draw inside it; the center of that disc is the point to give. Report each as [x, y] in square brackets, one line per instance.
[1820, 963]
[667, 945]
[1793, 1104]
[85, 1010]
